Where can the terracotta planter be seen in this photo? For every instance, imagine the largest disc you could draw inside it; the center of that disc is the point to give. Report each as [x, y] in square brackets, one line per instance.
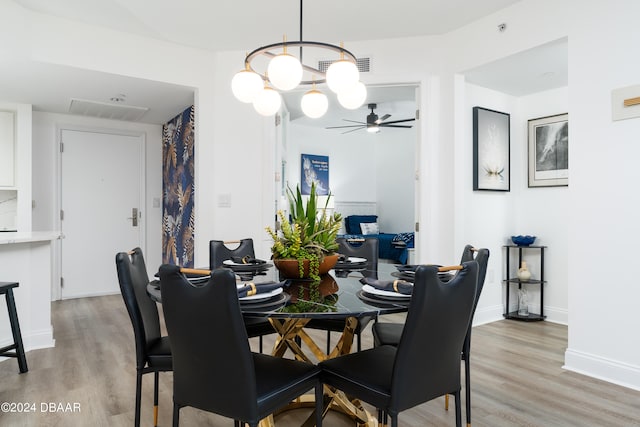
[289, 267]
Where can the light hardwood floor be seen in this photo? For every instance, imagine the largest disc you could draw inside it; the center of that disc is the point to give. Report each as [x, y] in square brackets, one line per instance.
[517, 379]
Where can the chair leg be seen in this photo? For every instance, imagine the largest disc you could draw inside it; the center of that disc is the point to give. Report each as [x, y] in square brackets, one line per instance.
[467, 389]
[260, 341]
[394, 420]
[458, 409]
[328, 341]
[138, 397]
[15, 330]
[359, 338]
[156, 377]
[319, 403]
[176, 415]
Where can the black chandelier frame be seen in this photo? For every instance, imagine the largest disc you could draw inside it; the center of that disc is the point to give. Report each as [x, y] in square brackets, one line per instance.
[266, 50]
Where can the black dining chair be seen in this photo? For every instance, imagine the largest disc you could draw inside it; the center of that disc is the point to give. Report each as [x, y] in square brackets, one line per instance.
[214, 369]
[361, 248]
[153, 351]
[220, 251]
[425, 364]
[389, 333]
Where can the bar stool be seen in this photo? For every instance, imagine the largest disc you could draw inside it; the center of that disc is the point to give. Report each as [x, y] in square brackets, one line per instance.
[6, 288]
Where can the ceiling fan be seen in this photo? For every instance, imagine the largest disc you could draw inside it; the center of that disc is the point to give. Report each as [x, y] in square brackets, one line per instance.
[373, 123]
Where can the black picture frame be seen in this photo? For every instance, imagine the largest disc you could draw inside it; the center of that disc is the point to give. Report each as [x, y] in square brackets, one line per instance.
[491, 150]
[549, 151]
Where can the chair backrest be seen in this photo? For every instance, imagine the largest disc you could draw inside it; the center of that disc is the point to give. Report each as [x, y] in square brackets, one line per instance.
[212, 363]
[427, 363]
[220, 252]
[481, 256]
[133, 279]
[364, 249]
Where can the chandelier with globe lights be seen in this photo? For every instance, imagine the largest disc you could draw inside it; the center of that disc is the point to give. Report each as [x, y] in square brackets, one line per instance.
[284, 72]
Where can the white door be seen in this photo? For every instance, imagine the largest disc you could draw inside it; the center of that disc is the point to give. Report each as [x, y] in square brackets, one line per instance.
[101, 193]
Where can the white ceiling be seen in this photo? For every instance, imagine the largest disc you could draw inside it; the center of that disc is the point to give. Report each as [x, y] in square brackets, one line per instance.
[246, 24]
[214, 25]
[535, 70]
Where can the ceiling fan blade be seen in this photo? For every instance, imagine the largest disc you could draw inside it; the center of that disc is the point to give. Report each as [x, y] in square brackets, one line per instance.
[348, 126]
[397, 121]
[383, 118]
[382, 125]
[354, 121]
[353, 130]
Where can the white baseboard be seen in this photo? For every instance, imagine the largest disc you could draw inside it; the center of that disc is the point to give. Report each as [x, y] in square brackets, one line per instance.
[609, 370]
[35, 341]
[39, 339]
[487, 315]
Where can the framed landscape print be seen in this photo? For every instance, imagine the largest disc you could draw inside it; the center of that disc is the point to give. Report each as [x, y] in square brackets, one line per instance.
[491, 166]
[549, 151]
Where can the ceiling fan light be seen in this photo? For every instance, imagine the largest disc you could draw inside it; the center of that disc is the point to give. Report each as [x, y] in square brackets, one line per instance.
[246, 85]
[341, 74]
[284, 71]
[353, 97]
[314, 104]
[268, 102]
[373, 128]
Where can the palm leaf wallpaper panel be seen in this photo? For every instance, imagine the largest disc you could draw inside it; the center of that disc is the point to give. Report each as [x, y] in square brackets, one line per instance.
[178, 189]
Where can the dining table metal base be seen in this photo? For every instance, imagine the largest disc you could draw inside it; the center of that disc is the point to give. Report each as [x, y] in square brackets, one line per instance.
[291, 334]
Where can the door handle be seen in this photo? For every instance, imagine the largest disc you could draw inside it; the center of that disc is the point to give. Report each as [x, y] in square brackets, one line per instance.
[134, 217]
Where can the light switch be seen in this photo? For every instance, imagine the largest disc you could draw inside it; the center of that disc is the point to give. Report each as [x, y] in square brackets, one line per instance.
[156, 202]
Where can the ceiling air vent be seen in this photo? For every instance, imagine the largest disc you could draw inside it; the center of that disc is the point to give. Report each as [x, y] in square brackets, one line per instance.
[364, 65]
[105, 110]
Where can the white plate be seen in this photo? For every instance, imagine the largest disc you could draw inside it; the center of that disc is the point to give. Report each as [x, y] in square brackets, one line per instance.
[229, 262]
[260, 297]
[356, 259]
[371, 290]
[200, 279]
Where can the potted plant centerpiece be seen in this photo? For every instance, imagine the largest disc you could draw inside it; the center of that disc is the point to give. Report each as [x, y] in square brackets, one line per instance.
[305, 247]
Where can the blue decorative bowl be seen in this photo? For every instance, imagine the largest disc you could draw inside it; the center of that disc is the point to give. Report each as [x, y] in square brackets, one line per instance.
[523, 240]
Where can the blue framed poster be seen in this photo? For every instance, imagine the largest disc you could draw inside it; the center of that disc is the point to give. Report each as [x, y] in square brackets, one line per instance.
[314, 169]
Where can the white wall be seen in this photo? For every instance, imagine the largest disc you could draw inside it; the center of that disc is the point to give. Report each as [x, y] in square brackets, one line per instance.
[483, 218]
[489, 219]
[543, 211]
[603, 194]
[46, 138]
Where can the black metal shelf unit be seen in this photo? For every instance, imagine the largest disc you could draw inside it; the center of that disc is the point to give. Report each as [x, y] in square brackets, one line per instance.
[531, 317]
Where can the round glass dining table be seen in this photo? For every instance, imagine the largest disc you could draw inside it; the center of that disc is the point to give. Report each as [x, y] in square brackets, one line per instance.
[290, 309]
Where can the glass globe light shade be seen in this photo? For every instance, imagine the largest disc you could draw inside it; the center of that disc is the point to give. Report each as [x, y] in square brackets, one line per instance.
[284, 71]
[353, 96]
[268, 102]
[342, 74]
[314, 104]
[246, 85]
[373, 129]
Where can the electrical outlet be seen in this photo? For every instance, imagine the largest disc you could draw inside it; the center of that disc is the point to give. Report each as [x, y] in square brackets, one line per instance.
[224, 200]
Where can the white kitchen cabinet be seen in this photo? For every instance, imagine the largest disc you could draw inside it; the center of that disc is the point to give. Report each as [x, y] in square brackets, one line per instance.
[7, 149]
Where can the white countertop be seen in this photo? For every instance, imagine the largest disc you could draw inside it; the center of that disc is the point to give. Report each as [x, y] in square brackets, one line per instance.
[26, 237]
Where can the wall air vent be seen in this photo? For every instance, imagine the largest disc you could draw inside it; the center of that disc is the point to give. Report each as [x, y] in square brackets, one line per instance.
[106, 110]
[364, 65]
